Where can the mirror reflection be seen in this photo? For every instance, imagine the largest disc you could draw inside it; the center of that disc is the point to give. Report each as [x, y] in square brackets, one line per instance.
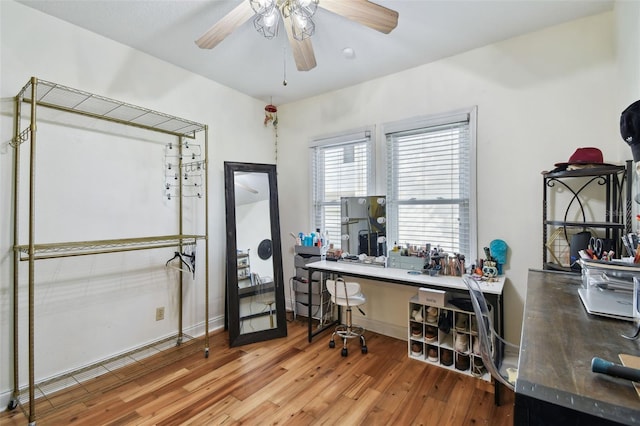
[255, 290]
[364, 225]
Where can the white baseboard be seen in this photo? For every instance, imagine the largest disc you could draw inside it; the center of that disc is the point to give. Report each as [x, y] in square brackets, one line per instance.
[384, 328]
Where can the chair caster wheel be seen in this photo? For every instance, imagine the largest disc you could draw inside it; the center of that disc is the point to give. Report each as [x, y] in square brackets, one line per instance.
[332, 344]
[344, 352]
[364, 349]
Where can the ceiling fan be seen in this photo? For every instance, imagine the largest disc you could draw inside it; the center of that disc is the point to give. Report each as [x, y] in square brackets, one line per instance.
[296, 16]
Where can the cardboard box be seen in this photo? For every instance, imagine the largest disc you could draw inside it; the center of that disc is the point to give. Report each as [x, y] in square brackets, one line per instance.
[432, 297]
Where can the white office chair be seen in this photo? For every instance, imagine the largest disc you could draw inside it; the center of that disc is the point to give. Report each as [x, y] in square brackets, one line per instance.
[347, 294]
[502, 364]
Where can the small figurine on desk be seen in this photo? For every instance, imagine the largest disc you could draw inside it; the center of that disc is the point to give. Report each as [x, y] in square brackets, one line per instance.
[489, 269]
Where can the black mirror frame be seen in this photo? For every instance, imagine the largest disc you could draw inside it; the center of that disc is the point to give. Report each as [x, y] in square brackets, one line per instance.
[232, 297]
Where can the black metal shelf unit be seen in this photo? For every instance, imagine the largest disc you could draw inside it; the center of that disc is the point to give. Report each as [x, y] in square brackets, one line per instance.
[581, 186]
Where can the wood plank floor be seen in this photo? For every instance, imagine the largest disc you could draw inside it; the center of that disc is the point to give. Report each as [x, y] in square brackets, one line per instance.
[283, 381]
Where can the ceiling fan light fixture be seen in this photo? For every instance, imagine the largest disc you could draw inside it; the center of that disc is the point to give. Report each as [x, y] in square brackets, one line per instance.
[305, 8]
[263, 7]
[270, 19]
[267, 25]
[302, 27]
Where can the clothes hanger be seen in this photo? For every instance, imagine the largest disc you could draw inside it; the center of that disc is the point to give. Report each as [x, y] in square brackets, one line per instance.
[190, 265]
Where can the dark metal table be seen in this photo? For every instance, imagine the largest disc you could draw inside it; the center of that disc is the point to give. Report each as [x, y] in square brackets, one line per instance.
[555, 384]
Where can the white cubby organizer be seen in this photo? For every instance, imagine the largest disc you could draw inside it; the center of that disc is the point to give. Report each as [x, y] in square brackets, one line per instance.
[430, 343]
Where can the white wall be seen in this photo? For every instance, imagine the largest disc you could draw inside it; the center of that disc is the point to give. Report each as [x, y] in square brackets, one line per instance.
[89, 308]
[539, 96]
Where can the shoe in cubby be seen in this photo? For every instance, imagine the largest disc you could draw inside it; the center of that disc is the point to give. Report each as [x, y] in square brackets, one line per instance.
[461, 342]
[462, 321]
[416, 330]
[445, 321]
[416, 313]
[478, 369]
[462, 361]
[432, 315]
[430, 334]
[432, 353]
[446, 357]
[476, 346]
[416, 348]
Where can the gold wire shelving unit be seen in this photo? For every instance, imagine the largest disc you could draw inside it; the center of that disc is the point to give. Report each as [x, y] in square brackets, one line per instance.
[44, 94]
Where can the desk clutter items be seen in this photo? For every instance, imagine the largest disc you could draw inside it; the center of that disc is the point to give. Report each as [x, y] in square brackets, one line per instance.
[432, 261]
[594, 248]
[318, 242]
[443, 331]
[491, 266]
[313, 239]
[608, 288]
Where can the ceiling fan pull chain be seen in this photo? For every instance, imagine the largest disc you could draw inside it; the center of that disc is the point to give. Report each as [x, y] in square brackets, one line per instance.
[284, 66]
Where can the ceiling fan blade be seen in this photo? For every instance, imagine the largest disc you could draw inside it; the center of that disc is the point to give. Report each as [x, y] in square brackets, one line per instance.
[246, 187]
[221, 29]
[364, 12]
[302, 50]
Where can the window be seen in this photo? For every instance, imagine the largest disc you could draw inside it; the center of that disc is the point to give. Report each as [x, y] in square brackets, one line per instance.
[430, 190]
[341, 167]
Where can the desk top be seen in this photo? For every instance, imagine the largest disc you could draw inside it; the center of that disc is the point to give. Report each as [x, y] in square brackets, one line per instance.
[402, 276]
[559, 339]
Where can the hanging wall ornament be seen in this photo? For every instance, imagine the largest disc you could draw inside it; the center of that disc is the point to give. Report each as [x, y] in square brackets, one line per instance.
[271, 115]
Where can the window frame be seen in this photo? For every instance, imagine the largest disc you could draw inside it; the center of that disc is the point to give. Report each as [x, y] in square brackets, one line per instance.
[366, 134]
[435, 120]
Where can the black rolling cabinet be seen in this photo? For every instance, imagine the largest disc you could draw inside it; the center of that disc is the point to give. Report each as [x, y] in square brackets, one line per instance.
[596, 199]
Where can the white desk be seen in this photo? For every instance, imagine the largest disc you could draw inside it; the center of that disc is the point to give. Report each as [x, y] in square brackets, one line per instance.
[492, 290]
[402, 276]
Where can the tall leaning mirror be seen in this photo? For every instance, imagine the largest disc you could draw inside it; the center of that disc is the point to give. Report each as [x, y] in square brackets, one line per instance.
[255, 284]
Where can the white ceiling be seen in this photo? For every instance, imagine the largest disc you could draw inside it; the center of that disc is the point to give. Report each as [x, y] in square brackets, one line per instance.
[427, 30]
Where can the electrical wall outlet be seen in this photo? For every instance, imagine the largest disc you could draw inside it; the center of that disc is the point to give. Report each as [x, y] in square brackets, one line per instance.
[160, 313]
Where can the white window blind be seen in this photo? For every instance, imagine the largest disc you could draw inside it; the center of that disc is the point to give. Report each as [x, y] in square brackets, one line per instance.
[429, 186]
[341, 167]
